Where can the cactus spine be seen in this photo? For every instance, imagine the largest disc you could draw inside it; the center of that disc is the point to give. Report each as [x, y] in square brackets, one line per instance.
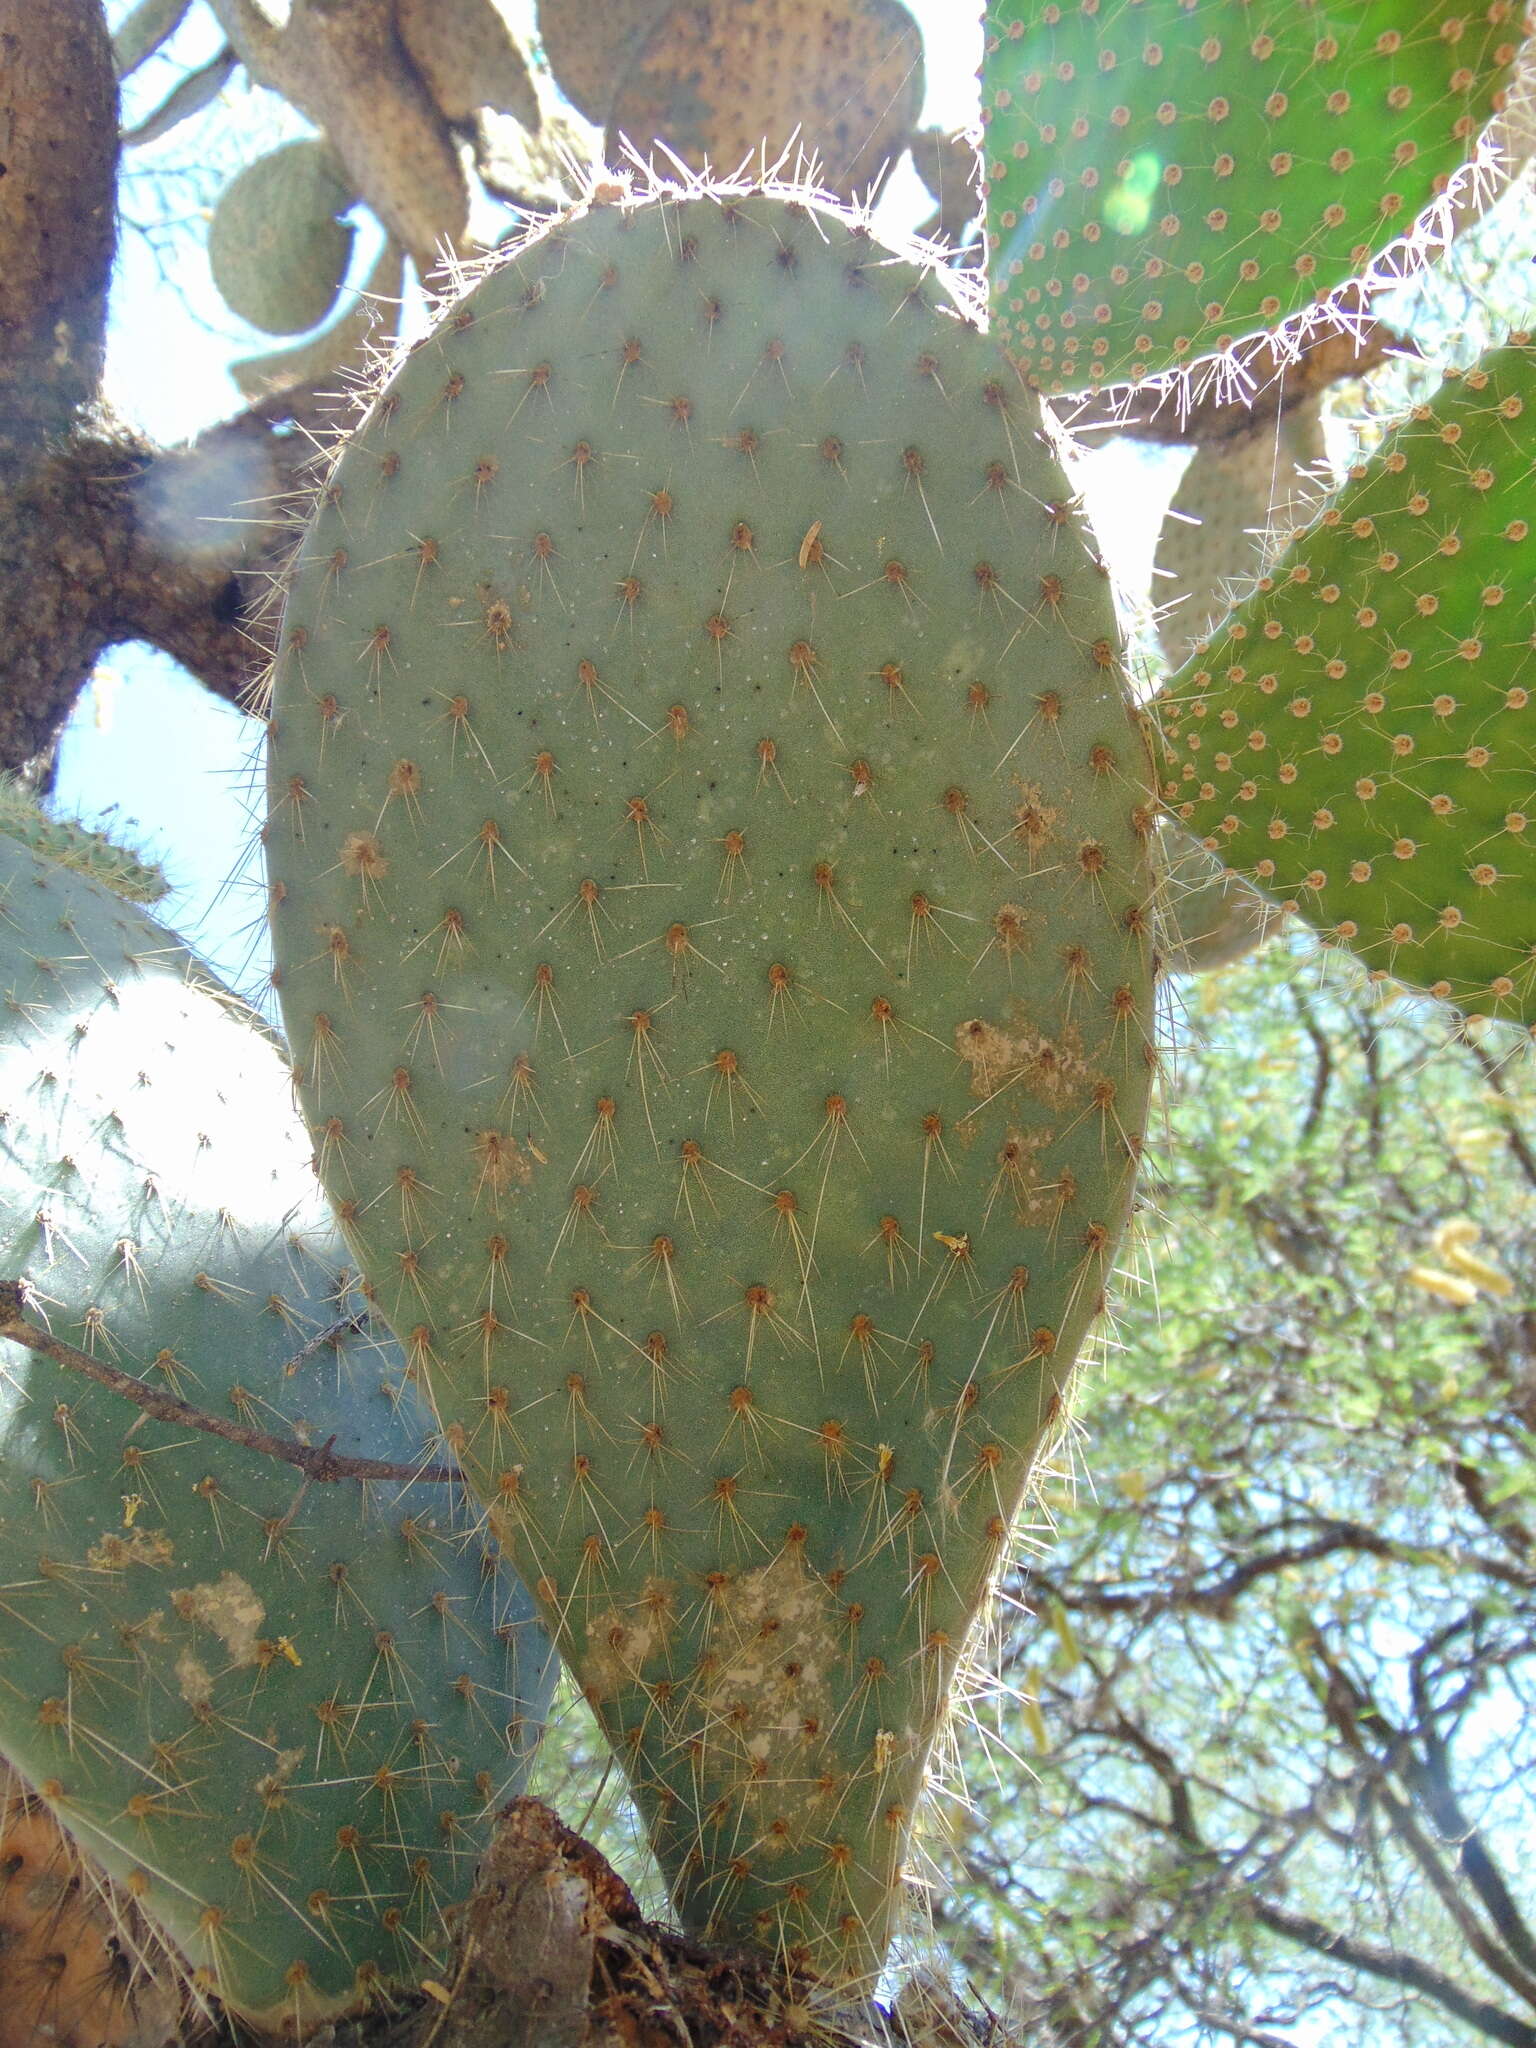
[709, 845]
[277, 1714]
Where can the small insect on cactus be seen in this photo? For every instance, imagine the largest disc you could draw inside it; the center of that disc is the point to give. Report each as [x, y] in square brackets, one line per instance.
[710, 855]
[275, 1710]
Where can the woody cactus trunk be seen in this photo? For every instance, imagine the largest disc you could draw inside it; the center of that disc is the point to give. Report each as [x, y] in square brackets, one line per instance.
[710, 845]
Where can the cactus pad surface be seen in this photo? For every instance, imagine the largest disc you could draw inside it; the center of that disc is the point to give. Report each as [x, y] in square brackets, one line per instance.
[724, 85]
[276, 245]
[710, 877]
[1358, 735]
[277, 1714]
[72, 845]
[1166, 176]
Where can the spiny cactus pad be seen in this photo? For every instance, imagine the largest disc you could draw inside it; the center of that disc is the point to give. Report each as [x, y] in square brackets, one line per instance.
[73, 845]
[1164, 176]
[1358, 737]
[723, 85]
[276, 245]
[276, 1714]
[709, 855]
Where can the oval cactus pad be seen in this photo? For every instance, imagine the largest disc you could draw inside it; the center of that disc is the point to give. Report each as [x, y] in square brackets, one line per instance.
[280, 1714]
[709, 844]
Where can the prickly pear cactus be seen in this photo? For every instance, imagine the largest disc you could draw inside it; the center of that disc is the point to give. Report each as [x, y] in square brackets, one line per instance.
[1357, 736]
[275, 1713]
[276, 245]
[1165, 176]
[709, 856]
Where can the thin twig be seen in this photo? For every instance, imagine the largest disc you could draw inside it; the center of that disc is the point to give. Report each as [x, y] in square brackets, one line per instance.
[318, 1463]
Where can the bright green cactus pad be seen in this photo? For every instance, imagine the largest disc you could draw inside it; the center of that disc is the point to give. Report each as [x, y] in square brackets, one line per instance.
[1165, 176]
[709, 846]
[280, 1715]
[1359, 736]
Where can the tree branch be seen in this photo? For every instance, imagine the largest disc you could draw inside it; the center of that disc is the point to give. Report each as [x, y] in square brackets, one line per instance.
[1346, 1706]
[1392, 1966]
[319, 1463]
[1216, 1594]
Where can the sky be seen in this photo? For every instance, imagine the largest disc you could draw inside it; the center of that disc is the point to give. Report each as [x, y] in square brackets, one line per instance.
[153, 754]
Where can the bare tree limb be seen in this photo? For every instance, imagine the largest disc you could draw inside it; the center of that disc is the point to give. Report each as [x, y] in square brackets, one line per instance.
[1393, 1966]
[1350, 1711]
[1214, 1593]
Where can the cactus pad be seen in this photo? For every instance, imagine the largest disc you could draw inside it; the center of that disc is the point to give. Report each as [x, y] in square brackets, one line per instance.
[277, 249]
[710, 876]
[468, 57]
[275, 1714]
[72, 845]
[1358, 736]
[1166, 176]
[590, 49]
[723, 85]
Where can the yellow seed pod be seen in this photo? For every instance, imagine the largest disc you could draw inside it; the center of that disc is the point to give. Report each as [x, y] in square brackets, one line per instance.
[1444, 1286]
[1488, 1277]
[1459, 1230]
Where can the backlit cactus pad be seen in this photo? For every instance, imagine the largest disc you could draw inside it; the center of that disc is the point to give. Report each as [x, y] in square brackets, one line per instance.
[709, 854]
[1358, 737]
[1164, 177]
